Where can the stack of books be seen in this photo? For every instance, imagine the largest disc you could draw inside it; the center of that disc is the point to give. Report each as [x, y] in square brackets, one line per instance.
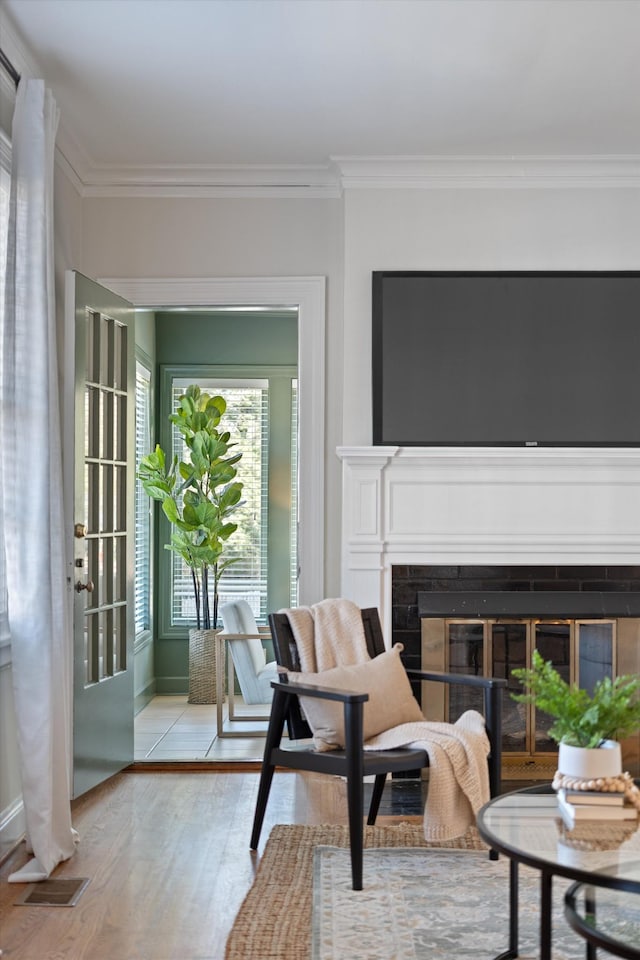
[578, 805]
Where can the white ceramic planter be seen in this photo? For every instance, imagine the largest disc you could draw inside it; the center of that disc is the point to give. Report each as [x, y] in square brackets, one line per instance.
[589, 764]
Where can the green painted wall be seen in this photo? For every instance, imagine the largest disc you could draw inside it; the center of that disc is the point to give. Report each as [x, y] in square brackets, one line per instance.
[185, 337]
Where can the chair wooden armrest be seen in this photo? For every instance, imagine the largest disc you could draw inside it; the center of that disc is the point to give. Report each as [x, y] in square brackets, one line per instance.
[321, 693]
[463, 679]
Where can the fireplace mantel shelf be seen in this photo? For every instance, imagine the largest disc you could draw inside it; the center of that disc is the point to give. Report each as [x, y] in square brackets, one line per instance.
[526, 456]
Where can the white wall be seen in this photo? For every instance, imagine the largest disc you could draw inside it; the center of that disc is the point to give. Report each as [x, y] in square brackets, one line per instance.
[475, 229]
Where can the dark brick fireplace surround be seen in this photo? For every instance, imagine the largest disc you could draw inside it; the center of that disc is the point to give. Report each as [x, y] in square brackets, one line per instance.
[407, 582]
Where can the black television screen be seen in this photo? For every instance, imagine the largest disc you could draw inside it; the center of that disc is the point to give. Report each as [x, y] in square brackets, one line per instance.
[506, 359]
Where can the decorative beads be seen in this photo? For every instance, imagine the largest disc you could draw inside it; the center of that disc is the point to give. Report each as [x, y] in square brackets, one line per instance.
[621, 784]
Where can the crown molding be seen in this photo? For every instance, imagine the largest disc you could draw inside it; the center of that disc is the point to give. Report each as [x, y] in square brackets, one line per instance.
[488, 172]
[346, 173]
[211, 180]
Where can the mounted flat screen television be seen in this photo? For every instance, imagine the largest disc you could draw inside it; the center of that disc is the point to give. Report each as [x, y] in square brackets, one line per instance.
[506, 359]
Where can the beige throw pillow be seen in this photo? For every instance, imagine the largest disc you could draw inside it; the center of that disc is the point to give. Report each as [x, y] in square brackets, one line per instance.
[391, 700]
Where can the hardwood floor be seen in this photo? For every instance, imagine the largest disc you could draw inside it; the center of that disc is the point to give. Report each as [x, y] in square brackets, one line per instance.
[168, 861]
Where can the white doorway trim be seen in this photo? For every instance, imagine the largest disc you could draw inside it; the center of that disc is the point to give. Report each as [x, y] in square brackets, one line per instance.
[308, 295]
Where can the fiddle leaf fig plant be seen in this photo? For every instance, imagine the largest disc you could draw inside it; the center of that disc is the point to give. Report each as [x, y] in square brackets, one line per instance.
[198, 495]
[612, 712]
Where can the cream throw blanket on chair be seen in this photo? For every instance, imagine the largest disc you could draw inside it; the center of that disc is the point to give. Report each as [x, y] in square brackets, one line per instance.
[330, 634]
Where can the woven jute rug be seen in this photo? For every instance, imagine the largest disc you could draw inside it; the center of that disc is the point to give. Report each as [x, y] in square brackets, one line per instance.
[274, 921]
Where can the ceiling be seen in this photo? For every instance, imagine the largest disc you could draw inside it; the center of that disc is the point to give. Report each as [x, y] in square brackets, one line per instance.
[189, 84]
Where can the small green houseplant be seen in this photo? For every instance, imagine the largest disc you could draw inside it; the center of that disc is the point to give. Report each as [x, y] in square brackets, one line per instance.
[612, 712]
[198, 495]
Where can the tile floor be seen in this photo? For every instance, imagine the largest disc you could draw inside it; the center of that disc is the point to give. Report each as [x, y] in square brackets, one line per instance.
[171, 729]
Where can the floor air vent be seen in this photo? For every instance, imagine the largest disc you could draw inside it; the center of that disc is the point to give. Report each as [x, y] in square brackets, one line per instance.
[61, 892]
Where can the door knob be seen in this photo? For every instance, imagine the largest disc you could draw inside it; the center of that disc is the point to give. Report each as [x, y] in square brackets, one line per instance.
[88, 586]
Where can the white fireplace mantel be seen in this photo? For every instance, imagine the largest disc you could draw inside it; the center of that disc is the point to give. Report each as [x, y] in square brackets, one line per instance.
[479, 505]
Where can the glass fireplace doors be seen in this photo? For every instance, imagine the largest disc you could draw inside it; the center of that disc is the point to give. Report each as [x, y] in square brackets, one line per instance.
[582, 651]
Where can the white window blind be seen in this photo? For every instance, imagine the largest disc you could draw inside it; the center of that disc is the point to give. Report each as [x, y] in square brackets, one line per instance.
[247, 420]
[143, 503]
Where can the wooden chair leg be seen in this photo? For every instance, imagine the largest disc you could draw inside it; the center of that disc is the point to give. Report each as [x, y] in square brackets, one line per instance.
[274, 736]
[355, 799]
[261, 804]
[376, 797]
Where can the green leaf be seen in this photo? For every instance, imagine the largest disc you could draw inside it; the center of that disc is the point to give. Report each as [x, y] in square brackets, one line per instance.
[230, 497]
[611, 712]
[170, 510]
[157, 490]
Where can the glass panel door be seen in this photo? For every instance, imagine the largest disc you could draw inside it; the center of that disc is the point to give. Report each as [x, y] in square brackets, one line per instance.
[103, 450]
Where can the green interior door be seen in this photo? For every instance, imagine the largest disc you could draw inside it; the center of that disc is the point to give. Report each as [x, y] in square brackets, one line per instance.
[103, 534]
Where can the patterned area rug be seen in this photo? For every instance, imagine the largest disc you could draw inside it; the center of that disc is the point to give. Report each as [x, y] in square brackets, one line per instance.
[436, 904]
[276, 919]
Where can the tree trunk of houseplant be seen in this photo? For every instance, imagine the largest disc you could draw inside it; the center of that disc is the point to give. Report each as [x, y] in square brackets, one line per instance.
[203, 666]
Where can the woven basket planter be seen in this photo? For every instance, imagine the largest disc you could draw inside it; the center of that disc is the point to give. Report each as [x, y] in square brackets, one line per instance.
[203, 668]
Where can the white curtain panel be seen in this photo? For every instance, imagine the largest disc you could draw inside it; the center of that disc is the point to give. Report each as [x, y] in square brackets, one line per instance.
[32, 501]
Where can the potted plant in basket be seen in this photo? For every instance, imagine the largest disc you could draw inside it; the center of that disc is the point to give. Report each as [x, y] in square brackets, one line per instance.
[586, 727]
[198, 497]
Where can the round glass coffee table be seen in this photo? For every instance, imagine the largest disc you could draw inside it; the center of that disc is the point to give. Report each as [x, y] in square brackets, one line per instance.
[526, 826]
[605, 918]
